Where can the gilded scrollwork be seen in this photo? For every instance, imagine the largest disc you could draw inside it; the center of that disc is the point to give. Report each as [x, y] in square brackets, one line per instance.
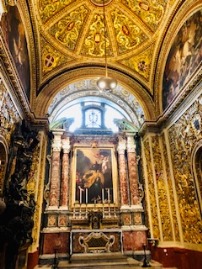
[97, 38]
[68, 29]
[151, 12]
[128, 34]
[183, 135]
[48, 7]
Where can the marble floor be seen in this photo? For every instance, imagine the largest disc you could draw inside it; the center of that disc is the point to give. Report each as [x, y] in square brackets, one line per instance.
[100, 261]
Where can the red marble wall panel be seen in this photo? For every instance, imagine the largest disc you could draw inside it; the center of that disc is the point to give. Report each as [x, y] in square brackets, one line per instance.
[177, 257]
[59, 241]
[134, 240]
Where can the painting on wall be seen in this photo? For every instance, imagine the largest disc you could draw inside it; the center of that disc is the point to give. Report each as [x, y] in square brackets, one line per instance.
[93, 172]
[14, 36]
[184, 58]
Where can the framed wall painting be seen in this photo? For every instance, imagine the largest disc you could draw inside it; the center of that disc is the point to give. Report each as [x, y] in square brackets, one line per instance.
[15, 38]
[94, 179]
[184, 58]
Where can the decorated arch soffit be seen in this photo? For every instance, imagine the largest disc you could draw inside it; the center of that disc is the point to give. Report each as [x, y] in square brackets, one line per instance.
[121, 97]
[71, 34]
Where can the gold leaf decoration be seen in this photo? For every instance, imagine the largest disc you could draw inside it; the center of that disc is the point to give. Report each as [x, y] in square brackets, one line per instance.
[51, 59]
[182, 138]
[151, 12]
[128, 34]
[141, 63]
[48, 8]
[68, 29]
[94, 44]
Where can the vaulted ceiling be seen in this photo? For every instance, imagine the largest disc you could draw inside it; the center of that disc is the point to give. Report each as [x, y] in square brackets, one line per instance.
[66, 41]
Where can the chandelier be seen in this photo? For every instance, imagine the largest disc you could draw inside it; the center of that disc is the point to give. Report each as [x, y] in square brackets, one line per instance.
[106, 83]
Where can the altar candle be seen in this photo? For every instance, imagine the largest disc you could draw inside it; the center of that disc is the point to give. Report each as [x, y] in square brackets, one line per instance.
[80, 192]
[74, 211]
[108, 194]
[103, 197]
[86, 195]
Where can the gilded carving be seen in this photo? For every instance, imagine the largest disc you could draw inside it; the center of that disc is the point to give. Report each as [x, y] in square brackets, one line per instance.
[138, 218]
[126, 219]
[151, 12]
[155, 232]
[52, 221]
[8, 114]
[128, 34]
[36, 174]
[183, 136]
[161, 189]
[171, 193]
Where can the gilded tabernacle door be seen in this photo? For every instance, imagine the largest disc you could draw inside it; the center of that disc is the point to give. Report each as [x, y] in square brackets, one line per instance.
[94, 176]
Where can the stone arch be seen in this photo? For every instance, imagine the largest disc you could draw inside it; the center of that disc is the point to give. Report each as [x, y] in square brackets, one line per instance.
[49, 91]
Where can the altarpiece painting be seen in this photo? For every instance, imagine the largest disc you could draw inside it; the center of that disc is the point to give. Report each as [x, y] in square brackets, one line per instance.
[94, 176]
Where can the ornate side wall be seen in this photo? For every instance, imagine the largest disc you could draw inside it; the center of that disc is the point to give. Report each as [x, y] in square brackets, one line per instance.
[173, 202]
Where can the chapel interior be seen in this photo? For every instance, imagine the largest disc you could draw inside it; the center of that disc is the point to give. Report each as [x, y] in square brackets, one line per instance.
[100, 133]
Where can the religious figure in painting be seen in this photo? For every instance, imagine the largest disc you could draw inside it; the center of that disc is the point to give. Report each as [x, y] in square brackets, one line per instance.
[184, 58]
[94, 176]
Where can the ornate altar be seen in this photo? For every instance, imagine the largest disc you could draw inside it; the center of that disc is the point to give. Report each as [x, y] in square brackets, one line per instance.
[94, 203]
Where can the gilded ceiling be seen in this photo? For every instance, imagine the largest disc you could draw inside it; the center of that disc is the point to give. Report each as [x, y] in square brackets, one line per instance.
[72, 33]
[66, 41]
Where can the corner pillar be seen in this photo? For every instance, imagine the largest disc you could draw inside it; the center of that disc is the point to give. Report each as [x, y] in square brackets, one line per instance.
[65, 173]
[124, 192]
[132, 170]
[55, 171]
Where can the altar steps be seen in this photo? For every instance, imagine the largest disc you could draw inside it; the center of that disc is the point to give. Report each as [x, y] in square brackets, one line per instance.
[104, 261]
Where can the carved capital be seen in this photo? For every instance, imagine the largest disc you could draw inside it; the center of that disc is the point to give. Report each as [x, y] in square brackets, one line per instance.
[121, 145]
[66, 145]
[57, 141]
[131, 143]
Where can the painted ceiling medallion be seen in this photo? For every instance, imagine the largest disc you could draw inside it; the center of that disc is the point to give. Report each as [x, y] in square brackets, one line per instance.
[100, 2]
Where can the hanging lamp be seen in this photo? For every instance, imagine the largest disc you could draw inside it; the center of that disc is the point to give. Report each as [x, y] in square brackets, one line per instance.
[106, 83]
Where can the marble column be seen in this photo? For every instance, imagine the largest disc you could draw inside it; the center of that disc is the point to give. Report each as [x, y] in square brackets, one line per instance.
[65, 173]
[55, 171]
[123, 178]
[132, 170]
